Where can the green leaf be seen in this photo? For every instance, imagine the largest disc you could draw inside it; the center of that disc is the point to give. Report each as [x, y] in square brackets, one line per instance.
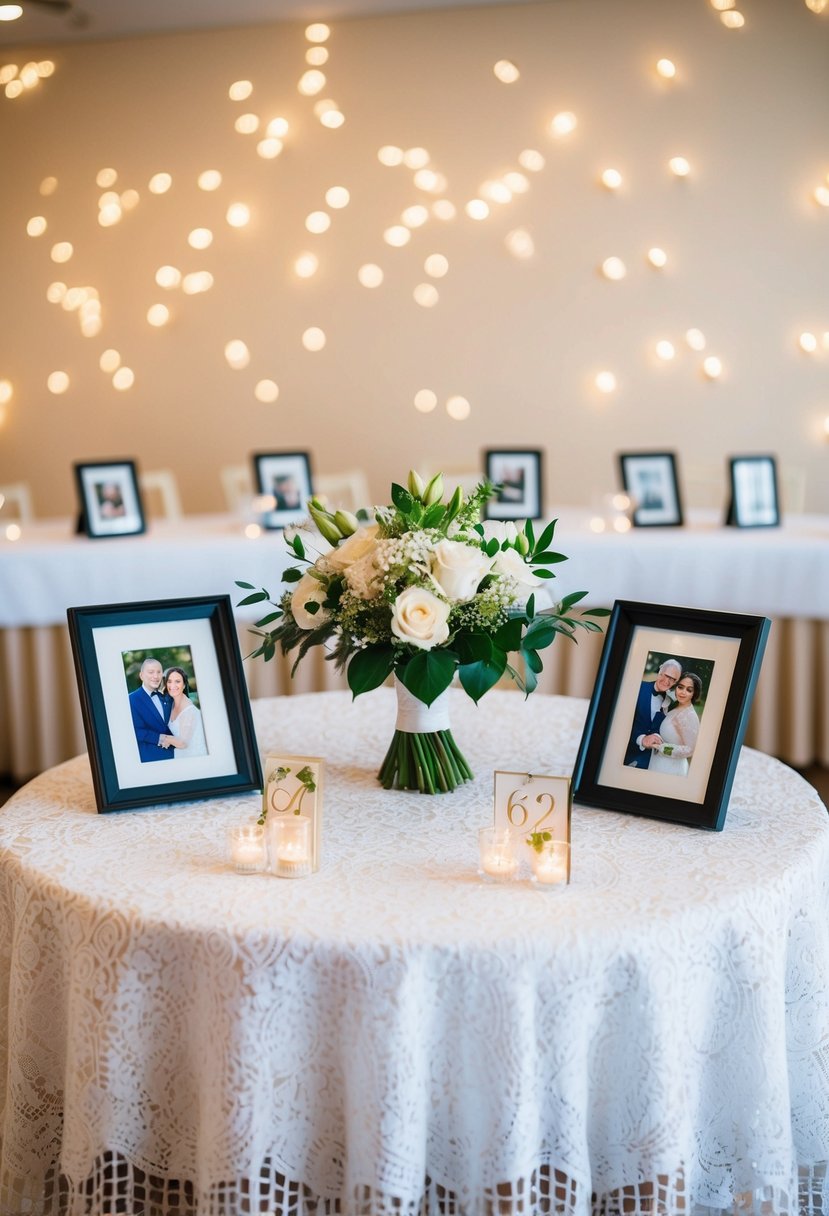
[433, 515]
[544, 573]
[428, 673]
[540, 634]
[479, 528]
[596, 611]
[247, 586]
[569, 600]
[478, 678]
[270, 618]
[292, 575]
[491, 547]
[530, 680]
[549, 558]
[402, 499]
[508, 637]
[473, 647]
[532, 660]
[545, 537]
[530, 533]
[530, 609]
[256, 598]
[312, 607]
[297, 545]
[369, 668]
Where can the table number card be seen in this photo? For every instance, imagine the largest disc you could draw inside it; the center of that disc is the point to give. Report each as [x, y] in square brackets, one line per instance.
[293, 786]
[528, 806]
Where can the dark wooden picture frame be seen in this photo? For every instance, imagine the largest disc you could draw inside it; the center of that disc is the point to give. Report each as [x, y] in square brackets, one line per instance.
[109, 499]
[519, 472]
[108, 643]
[651, 480]
[726, 649]
[286, 478]
[754, 501]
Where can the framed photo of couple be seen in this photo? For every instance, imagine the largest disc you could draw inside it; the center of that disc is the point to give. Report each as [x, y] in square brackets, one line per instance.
[669, 712]
[650, 478]
[753, 501]
[284, 479]
[109, 498]
[518, 474]
[164, 702]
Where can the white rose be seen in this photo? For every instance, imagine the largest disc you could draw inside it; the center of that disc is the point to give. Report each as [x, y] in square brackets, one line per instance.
[309, 590]
[510, 564]
[458, 568]
[500, 530]
[358, 545]
[419, 617]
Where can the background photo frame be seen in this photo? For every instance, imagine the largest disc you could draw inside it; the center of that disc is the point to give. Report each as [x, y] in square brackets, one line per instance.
[724, 651]
[286, 478]
[754, 501]
[109, 498]
[128, 732]
[650, 478]
[519, 473]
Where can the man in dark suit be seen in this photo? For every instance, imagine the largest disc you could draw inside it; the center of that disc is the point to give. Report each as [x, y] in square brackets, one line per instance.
[151, 714]
[652, 704]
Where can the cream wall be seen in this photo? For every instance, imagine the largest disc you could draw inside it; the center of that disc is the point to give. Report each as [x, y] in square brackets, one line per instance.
[522, 341]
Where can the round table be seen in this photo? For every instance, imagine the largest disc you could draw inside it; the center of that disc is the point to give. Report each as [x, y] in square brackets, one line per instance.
[391, 1033]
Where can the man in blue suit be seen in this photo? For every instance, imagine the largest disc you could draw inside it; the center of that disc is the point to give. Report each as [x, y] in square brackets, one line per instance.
[652, 704]
[151, 714]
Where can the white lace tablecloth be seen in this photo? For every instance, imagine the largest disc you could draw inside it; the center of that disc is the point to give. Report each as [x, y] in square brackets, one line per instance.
[391, 1034]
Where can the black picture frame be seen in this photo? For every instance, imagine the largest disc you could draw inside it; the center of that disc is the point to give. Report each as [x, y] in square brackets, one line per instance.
[754, 501]
[284, 477]
[109, 499]
[130, 769]
[725, 651]
[519, 473]
[651, 480]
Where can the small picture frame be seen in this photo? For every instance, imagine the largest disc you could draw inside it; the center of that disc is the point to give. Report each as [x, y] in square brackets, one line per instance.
[650, 478]
[164, 702]
[754, 500]
[109, 499]
[669, 711]
[518, 473]
[532, 808]
[293, 786]
[284, 478]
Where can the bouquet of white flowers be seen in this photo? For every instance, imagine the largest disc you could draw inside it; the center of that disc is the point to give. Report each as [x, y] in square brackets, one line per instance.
[425, 592]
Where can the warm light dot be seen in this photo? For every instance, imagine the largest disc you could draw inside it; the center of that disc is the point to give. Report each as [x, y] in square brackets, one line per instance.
[506, 71]
[316, 56]
[620, 502]
[48, 186]
[516, 182]
[415, 158]
[123, 379]
[10, 12]
[807, 342]
[614, 268]
[531, 160]
[679, 166]
[458, 408]
[621, 524]
[130, 199]
[109, 215]
[323, 106]
[817, 6]
[563, 123]
[318, 221]
[496, 192]
[106, 178]
[210, 179]
[238, 214]
[29, 75]
[237, 354]
[443, 209]
[306, 265]
[397, 235]
[200, 238]
[370, 275]
[73, 298]
[436, 265]
[425, 400]
[733, 20]
[317, 32]
[160, 183]
[246, 124]
[277, 128]
[311, 82]
[822, 195]
[91, 326]
[168, 276]
[597, 524]
[57, 382]
[268, 149]
[712, 367]
[520, 244]
[8, 72]
[199, 281]
[337, 197]
[109, 361]
[657, 257]
[332, 119]
[262, 503]
[240, 90]
[313, 339]
[427, 179]
[6, 391]
[266, 391]
[158, 315]
[14, 88]
[612, 179]
[390, 155]
[476, 209]
[416, 216]
[606, 382]
[665, 350]
[61, 252]
[722, 5]
[666, 68]
[252, 531]
[426, 295]
[695, 339]
[13, 532]
[36, 225]
[55, 292]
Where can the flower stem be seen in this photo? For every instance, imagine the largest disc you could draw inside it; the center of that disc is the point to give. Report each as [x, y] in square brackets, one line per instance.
[429, 762]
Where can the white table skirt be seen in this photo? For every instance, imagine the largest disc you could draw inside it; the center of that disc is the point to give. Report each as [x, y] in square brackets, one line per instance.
[392, 1035]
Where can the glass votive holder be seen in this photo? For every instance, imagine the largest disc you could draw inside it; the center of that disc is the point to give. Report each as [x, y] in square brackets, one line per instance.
[248, 848]
[550, 864]
[497, 861]
[290, 845]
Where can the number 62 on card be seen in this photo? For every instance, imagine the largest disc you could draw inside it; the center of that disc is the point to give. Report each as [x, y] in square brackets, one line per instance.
[528, 805]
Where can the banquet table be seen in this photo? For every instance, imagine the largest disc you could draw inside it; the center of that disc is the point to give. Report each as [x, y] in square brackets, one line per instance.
[394, 1035]
[781, 572]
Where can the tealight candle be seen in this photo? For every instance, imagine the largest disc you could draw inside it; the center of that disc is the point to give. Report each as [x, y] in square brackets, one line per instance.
[247, 846]
[497, 860]
[551, 863]
[290, 845]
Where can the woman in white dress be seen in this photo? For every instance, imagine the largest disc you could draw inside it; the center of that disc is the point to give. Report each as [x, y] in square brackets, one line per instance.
[186, 726]
[679, 730]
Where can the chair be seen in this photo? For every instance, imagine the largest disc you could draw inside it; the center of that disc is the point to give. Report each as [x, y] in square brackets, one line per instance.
[162, 482]
[18, 496]
[237, 486]
[347, 491]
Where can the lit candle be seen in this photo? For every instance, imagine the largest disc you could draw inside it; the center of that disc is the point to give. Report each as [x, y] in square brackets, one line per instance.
[496, 857]
[248, 851]
[550, 865]
[291, 846]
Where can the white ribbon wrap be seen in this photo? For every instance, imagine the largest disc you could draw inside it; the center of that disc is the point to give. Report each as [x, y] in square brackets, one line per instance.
[415, 718]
